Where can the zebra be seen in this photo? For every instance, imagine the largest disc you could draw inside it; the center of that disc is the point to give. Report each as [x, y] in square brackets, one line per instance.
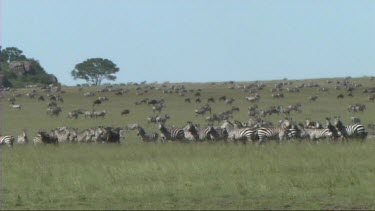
[272, 132]
[349, 131]
[147, 137]
[314, 133]
[190, 131]
[7, 140]
[23, 139]
[63, 134]
[235, 132]
[85, 136]
[171, 133]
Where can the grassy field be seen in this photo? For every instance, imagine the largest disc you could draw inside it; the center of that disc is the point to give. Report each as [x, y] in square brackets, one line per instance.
[191, 176]
[136, 175]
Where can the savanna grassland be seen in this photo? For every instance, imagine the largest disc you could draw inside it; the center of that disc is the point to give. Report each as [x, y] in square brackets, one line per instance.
[136, 175]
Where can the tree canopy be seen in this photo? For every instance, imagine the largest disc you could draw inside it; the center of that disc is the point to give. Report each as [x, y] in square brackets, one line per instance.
[12, 54]
[95, 70]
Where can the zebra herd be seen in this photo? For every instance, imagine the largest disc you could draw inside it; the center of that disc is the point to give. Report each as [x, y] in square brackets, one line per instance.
[228, 131]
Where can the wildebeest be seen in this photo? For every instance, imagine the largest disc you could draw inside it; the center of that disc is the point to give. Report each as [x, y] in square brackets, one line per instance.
[45, 138]
[54, 111]
[96, 102]
[125, 112]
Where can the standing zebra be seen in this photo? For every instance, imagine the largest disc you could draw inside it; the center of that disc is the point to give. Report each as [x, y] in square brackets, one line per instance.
[171, 133]
[8, 140]
[190, 131]
[315, 133]
[274, 132]
[350, 131]
[242, 134]
[147, 137]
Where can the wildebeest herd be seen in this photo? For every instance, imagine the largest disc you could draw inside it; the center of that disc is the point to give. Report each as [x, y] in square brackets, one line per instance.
[219, 126]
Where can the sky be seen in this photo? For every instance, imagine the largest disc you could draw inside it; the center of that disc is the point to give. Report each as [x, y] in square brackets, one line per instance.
[196, 40]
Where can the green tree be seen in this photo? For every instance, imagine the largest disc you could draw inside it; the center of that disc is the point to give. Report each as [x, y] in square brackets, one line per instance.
[94, 70]
[11, 54]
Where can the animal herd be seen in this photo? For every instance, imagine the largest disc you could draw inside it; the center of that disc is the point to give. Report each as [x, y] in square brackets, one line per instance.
[229, 131]
[218, 126]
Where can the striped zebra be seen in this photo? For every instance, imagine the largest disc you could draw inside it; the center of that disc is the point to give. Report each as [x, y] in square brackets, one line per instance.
[274, 132]
[7, 140]
[147, 137]
[294, 132]
[350, 131]
[197, 134]
[191, 132]
[238, 133]
[315, 133]
[172, 134]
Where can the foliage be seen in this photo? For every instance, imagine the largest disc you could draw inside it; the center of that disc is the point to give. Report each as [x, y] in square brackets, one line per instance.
[95, 70]
[12, 54]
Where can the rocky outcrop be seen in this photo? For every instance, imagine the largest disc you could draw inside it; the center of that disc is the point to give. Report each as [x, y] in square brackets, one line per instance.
[22, 68]
[53, 78]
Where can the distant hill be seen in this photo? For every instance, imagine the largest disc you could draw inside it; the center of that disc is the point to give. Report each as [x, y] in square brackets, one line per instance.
[17, 70]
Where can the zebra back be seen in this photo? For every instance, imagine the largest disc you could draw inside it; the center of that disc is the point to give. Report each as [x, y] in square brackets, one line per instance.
[171, 133]
[7, 140]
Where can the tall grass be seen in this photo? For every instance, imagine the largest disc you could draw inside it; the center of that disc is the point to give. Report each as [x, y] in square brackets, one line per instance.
[191, 176]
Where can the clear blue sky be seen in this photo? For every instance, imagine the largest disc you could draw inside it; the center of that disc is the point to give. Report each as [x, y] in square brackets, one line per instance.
[197, 40]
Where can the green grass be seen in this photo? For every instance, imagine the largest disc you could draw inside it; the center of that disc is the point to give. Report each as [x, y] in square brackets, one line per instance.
[190, 176]
[135, 175]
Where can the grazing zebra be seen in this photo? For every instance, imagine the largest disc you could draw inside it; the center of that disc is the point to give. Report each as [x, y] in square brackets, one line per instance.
[147, 137]
[171, 133]
[242, 134]
[273, 132]
[350, 131]
[8, 140]
[23, 139]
